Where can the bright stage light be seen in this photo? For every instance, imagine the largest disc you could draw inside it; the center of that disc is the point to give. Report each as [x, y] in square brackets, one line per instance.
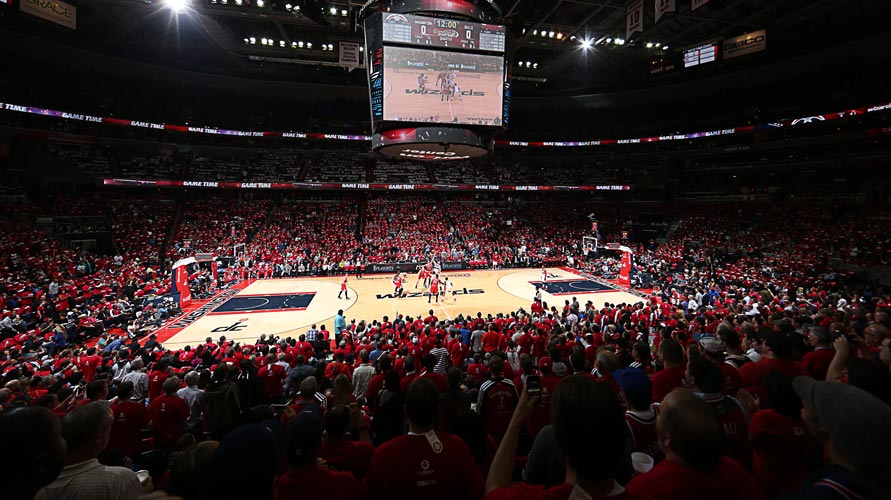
[177, 6]
[586, 43]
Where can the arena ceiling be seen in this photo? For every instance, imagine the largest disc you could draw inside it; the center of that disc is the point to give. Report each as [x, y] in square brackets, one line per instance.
[224, 36]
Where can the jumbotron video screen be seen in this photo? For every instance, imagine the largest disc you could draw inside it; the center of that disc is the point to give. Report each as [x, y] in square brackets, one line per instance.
[435, 86]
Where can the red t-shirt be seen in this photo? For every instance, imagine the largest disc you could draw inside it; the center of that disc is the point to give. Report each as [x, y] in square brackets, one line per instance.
[782, 451]
[348, 456]
[753, 373]
[732, 381]
[168, 416]
[523, 491]
[670, 480]
[490, 341]
[665, 381]
[126, 427]
[272, 377]
[413, 467]
[317, 482]
[817, 362]
[88, 365]
[156, 381]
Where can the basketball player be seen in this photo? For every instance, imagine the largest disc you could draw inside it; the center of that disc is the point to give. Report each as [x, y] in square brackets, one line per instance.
[544, 275]
[428, 273]
[437, 268]
[449, 289]
[441, 84]
[397, 282]
[456, 91]
[434, 289]
[422, 82]
[421, 275]
[343, 287]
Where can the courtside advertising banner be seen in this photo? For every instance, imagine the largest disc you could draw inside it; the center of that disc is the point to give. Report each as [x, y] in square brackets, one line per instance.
[742, 45]
[634, 18]
[697, 4]
[181, 285]
[54, 11]
[664, 7]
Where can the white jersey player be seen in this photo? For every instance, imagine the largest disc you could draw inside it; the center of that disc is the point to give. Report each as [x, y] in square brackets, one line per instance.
[449, 289]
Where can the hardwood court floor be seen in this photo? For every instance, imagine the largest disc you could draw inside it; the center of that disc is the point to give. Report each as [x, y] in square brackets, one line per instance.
[289, 306]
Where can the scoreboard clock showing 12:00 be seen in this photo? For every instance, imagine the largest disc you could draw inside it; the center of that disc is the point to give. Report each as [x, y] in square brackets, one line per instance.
[434, 32]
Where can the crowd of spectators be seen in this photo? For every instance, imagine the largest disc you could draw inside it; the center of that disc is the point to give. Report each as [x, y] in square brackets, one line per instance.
[648, 400]
[717, 376]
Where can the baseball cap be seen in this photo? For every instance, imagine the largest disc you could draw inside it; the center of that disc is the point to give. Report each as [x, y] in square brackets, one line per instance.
[634, 382]
[545, 364]
[859, 426]
[711, 344]
[306, 437]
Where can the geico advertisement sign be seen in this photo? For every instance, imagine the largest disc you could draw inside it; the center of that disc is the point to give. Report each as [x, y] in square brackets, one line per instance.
[52, 10]
[745, 44]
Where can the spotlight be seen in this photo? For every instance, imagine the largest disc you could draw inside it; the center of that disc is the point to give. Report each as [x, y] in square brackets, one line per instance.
[524, 31]
[559, 36]
[649, 45]
[658, 45]
[333, 11]
[260, 3]
[344, 12]
[572, 38]
[534, 32]
[535, 66]
[361, 49]
[288, 7]
[308, 45]
[551, 34]
[253, 41]
[586, 43]
[544, 34]
[177, 6]
[262, 41]
[293, 45]
[281, 43]
[247, 40]
[238, 2]
[300, 44]
[224, 2]
[609, 40]
[665, 47]
[619, 41]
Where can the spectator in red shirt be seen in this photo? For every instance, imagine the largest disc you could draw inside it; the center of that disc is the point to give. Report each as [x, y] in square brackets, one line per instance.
[305, 477]
[817, 361]
[490, 340]
[129, 417]
[167, 415]
[424, 464]
[477, 370]
[89, 364]
[579, 403]
[338, 450]
[776, 352]
[671, 376]
[691, 437]
[783, 451]
[158, 376]
[497, 400]
[273, 377]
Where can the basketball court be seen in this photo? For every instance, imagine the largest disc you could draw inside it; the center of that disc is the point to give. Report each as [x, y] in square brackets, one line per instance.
[289, 306]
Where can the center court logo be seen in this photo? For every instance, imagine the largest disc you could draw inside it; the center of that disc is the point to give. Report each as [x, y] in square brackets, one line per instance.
[238, 325]
[414, 295]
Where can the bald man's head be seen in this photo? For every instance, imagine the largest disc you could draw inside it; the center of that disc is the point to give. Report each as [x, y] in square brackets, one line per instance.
[687, 427]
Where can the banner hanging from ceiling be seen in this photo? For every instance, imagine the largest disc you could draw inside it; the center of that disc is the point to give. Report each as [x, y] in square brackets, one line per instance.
[664, 7]
[350, 56]
[634, 20]
[54, 11]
